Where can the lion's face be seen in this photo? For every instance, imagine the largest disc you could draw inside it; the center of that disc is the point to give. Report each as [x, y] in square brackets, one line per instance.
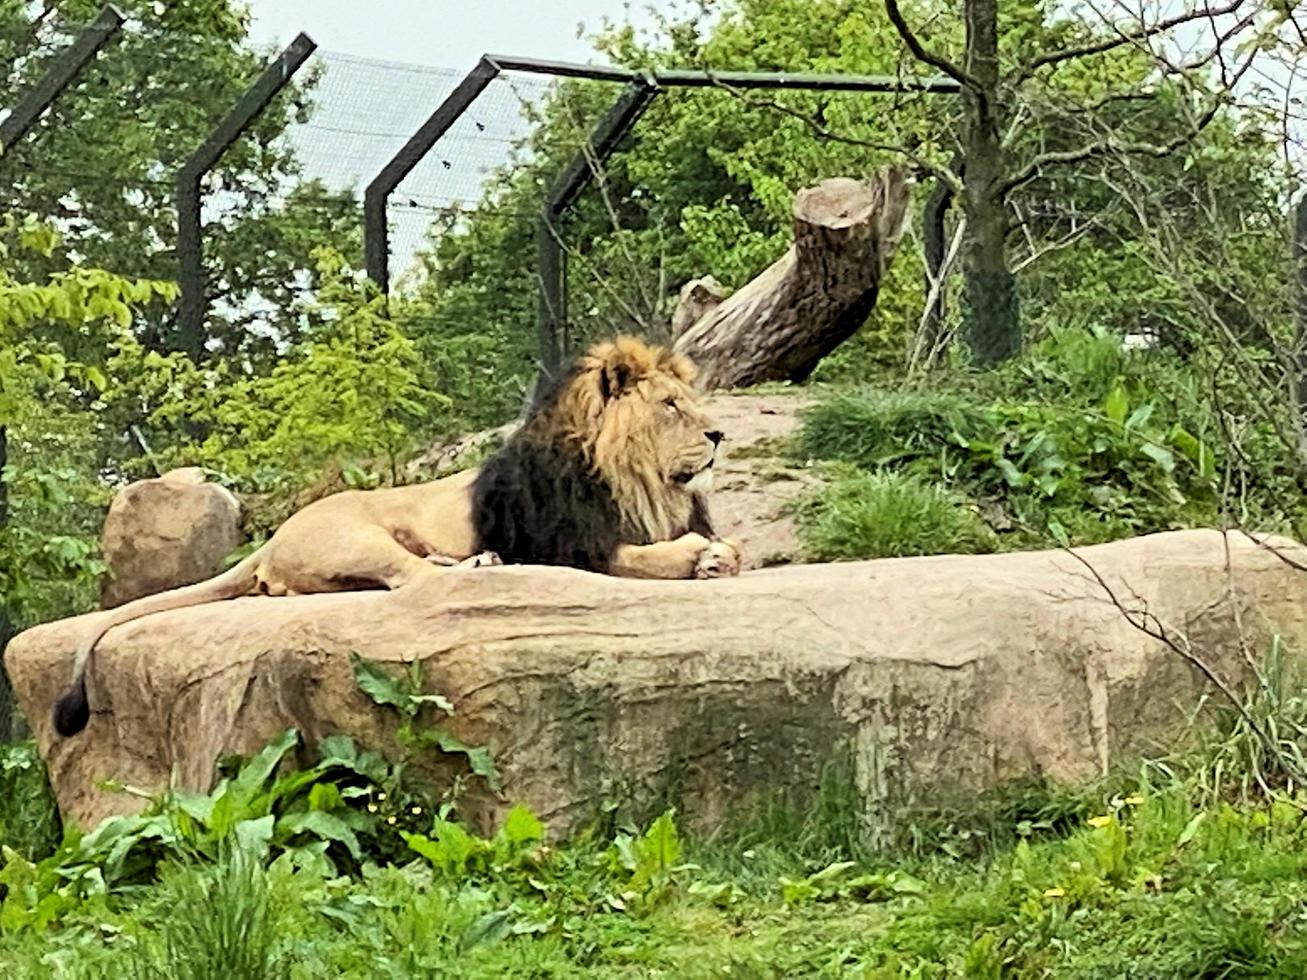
[631, 410]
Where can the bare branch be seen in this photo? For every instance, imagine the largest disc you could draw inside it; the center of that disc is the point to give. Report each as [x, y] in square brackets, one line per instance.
[821, 131]
[1064, 242]
[1111, 144]
[928, 57]
[1147, 622]
[1121, 38]
[921, 356]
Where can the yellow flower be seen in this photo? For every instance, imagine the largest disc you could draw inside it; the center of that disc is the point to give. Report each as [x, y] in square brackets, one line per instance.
[1053, 893]
[417, 811]
[1099, 821]
[1134, 800]
[381, 796]
[390, 820]
[372, 808]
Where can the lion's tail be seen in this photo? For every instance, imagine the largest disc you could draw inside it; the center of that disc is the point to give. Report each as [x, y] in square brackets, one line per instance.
[71, 711]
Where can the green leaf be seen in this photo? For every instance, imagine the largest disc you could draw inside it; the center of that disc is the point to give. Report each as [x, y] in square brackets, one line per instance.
[522, 827]
[1160, 455]
[479, 760]
[380, 686]
[1013, 477]
[255, 835]
[439, 700]
[1117, 404]
[490, 928]
[328, 826]
[255, 774]
[1191, 828]
[325, 796]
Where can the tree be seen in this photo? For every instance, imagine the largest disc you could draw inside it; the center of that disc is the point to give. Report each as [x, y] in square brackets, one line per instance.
[705, 182]
[39, 324]
[101, 163]
[1005, 86]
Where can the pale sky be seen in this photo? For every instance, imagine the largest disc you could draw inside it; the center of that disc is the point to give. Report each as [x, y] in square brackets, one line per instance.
[444, 33]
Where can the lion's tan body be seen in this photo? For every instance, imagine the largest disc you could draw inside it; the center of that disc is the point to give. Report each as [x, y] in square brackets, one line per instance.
[649, 441]
[369, 538]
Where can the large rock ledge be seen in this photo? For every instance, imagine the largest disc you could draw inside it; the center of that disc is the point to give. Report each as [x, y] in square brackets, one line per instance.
[938, 677]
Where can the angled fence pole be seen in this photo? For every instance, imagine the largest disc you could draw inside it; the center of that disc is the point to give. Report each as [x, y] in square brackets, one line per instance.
[584, 167]
[190, 249]
[376, 236]
[62, 72]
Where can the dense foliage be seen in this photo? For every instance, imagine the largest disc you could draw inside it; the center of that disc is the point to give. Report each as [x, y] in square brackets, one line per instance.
[355, 866]
[1191, 866]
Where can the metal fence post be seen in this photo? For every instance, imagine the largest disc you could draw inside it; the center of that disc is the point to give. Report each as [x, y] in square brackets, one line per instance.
[584, 167]
[63, 70]
[376, 235]
[190, 247]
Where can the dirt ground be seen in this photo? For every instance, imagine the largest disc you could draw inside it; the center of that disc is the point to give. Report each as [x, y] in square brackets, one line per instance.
[753, 481]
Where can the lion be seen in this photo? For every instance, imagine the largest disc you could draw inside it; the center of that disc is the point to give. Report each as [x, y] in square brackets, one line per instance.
[610, 472]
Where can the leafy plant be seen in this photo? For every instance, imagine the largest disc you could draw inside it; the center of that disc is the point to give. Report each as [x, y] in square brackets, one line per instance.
[318, 817]
[29, 822]
[406, 696]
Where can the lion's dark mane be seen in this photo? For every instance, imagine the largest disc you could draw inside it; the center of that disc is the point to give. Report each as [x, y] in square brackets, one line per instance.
[534, 503]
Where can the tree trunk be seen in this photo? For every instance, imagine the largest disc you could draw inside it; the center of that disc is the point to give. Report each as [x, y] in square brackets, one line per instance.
[780, 325]
[929, 345]
[1300, 324]
[9, 727]
[992, 324]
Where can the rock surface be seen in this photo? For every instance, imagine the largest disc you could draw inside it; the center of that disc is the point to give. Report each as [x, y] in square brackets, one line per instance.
[169, 531]
[938, 677]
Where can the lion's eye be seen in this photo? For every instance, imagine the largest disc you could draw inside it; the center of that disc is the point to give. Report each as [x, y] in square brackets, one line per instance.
[670, 403]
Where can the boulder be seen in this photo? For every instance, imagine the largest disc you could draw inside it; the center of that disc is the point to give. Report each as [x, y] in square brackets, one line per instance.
[165, 532]
[933, 678]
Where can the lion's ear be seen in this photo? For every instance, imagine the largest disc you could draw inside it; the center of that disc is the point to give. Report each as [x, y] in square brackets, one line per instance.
[678, 366]
[614, 377]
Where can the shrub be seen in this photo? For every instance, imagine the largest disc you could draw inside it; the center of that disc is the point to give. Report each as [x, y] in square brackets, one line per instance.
[872, 427]
[29, 822]
[884, 515]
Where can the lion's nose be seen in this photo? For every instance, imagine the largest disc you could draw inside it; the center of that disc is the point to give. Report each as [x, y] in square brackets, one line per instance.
[714, 437]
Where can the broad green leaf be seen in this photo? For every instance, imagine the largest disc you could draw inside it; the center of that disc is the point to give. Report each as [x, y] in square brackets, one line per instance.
[255, 774]
[380, 686]
[490, 928]
[521, 826]
[479, 760]
[325, 825]
[255, 835]
[1117, 404]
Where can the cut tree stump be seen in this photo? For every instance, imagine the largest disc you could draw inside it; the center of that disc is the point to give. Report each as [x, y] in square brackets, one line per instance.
[780, 325]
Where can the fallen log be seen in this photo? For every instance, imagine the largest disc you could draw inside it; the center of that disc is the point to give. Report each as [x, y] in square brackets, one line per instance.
[781, 324]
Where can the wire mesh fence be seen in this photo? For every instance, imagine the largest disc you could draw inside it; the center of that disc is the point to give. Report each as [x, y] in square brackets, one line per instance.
[286, 155]
[364, 110]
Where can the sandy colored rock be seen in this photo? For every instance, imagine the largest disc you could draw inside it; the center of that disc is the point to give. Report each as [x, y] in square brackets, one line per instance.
[165, 532]
[939, 676]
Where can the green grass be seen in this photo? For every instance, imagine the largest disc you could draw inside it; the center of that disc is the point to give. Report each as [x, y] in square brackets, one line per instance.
[1148, 887]
[1190, 866]
[1073, 442]
[885, 515]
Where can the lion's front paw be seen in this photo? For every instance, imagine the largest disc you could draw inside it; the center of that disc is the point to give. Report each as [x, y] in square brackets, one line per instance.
[482, 560]
[721, 559]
